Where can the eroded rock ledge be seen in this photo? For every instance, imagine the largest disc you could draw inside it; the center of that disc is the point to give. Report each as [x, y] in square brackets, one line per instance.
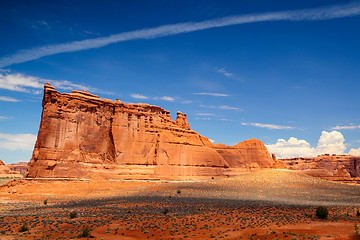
[84, 136]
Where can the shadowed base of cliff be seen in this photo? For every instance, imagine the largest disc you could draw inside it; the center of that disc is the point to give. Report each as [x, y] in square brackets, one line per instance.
[272, 186]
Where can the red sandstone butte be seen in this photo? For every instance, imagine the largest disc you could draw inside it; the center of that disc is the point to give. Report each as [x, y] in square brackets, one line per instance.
[84, 136]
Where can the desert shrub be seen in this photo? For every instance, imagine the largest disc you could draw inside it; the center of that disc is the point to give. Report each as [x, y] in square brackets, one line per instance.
[85, 232]
[72, 214]
[356, 228]
[24, 228]
[358, 213]
[165, 210]
[45, 202]
[322, 212]
[178, 191]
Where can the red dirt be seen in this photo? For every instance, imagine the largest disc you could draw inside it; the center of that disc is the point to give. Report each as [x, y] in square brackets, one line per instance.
[203, 209]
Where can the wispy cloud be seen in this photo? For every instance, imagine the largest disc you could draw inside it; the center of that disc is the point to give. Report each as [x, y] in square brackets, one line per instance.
[8, 99]
[204, 114]
[25, 83]
[224, 107]
[227, 120]
[138, 96]
[167, 98]
[229, 108]
[269, 126]
[313, 14]
[4, 117]
[349, 127]
[213, 94]
[203, 118]
[227, 74]
[17, 141]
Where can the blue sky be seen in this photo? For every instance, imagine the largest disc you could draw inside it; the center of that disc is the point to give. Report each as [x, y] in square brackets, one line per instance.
[284, 72]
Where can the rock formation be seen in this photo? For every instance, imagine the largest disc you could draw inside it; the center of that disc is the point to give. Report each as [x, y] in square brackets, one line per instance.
[5, 169]
[82, 135]
[336, 166]
[20, 167]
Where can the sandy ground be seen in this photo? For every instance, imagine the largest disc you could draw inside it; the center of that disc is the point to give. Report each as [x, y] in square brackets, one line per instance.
[269, 204]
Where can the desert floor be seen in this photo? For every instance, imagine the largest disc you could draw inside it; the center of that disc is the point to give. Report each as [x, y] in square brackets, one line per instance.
[267, 204]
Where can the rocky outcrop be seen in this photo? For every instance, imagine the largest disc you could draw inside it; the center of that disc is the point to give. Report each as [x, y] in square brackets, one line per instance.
[5, 169]
[20, 167]
[251, 154]
[82, 135]
[337, 166]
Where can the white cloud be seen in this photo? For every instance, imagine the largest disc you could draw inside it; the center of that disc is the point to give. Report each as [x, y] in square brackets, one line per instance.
[166, 98]
[17, 141]
[269, 126]
[224, 107]
[229, 108]
[3, 117]
[291, 148]
[314, 14]
[213, 94]
[329, 142]
[223, 71]
[211, 140]
[227, 74]
[203, 118]
[138, 96]
[25, 83]
[350, 127]
[187, 102]
[355, 152]
[225, 119]
[8, 99]
[204, 114]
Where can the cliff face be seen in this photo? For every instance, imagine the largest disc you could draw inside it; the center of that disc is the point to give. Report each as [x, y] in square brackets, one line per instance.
[82, 135]
[326, 165]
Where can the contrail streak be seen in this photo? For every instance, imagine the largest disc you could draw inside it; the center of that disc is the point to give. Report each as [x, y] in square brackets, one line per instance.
[314, 14]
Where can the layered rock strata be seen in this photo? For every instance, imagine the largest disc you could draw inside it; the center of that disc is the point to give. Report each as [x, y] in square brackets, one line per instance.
[20, 167]
[329, 166]
[5, 169]
[82, 135]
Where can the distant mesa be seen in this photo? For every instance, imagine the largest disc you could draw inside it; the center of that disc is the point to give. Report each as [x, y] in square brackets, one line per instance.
[333, 167]
[7, 170]
[84, 136]
[20, 167]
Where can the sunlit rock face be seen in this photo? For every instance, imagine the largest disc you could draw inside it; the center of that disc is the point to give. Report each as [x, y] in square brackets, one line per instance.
[331, 165]
[84, 136]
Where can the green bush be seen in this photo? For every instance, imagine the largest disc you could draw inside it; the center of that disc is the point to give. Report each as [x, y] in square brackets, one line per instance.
[45, 202]
[358, 213]
[72, 214]
[322, 212]
[85, 232]
[24, 228]
[178, 191]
